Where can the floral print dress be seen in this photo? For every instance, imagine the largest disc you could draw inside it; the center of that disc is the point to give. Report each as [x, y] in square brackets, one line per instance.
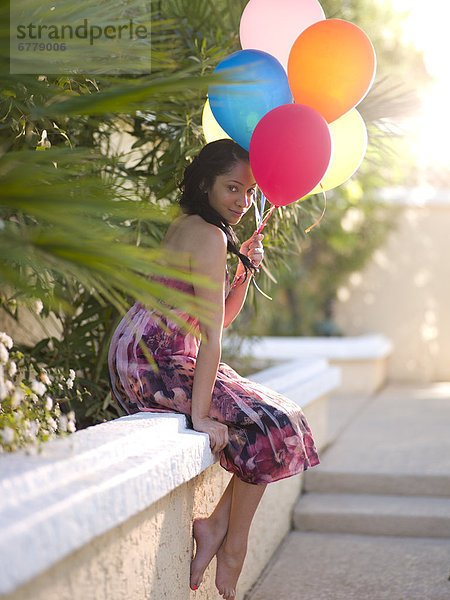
[269, 437]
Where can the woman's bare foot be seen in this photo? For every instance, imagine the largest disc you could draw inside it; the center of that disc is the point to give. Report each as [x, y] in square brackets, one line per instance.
[208, 538]
[229, 567]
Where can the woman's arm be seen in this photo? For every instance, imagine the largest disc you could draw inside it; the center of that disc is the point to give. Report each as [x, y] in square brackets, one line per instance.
[209, 260]
[252, 248]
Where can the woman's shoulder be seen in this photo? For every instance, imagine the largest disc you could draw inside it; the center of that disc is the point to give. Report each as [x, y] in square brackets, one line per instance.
[197, 230]
[191, 239]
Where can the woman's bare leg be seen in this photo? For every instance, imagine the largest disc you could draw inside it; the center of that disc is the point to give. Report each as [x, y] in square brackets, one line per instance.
[231, 554]
[209, 534]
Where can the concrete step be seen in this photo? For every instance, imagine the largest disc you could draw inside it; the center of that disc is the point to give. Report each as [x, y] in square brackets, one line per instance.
[397, 443]
[322, 479]
[401, 516]
[318, 566]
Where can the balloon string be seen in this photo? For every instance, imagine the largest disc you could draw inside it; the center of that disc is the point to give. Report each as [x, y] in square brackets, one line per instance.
[261, 227]
[323, 212]
[257, 215]
[260, 290]
[262, 205]
[263, 224]
[259, 211]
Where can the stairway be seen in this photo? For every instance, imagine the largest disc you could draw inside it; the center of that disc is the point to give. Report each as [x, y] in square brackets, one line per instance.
[323, 509]
[373, 522]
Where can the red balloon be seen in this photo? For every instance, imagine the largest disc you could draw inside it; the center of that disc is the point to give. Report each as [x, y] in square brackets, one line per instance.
[290, 151]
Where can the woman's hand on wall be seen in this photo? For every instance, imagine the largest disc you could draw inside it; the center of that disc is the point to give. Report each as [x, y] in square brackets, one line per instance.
[218, 432]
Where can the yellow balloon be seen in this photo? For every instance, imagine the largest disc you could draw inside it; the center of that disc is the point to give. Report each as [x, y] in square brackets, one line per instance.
[349, 136]
[211, 128]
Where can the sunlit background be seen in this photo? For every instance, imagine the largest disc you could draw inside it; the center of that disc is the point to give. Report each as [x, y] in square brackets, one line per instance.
[426, 27]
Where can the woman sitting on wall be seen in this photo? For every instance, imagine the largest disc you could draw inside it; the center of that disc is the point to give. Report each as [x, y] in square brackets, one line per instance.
[260, 436]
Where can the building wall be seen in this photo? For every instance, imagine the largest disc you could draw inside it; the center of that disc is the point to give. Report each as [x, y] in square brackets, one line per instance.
[404, 292]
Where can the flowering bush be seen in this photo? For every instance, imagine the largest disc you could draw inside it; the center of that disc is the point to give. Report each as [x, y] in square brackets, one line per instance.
[30, 398]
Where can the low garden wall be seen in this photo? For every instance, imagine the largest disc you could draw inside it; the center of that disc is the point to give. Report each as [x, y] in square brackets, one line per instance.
[362, 360]
[106, 514]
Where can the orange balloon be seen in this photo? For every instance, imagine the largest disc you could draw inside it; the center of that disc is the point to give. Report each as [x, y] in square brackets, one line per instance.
[331, 67]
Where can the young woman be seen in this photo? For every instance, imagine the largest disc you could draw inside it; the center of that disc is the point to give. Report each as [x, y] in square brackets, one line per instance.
[260, 436]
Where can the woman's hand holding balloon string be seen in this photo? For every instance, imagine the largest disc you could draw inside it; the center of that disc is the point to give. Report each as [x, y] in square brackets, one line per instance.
[253, 249]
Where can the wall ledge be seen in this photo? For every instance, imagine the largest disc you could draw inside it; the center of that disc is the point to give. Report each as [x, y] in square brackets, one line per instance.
[421, 196]
[96, 479]
[363, 347]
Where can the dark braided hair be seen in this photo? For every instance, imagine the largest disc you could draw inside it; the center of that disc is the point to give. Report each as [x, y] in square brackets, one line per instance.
[216, 158]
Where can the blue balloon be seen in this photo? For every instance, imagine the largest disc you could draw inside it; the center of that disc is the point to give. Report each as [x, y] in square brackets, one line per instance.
[238, 107]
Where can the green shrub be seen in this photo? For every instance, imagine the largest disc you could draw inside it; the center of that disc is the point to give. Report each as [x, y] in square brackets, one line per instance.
[32, 400]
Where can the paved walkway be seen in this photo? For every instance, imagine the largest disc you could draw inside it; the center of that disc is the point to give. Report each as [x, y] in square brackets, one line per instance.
[374, 521]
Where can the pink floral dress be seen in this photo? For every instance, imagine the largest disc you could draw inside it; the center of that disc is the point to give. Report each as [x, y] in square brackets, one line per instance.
[269, 437]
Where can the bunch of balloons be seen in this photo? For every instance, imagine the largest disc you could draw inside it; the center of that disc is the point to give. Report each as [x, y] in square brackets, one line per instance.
[289, 97]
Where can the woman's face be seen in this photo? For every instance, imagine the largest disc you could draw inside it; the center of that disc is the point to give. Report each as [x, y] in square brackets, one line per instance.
[231, 194]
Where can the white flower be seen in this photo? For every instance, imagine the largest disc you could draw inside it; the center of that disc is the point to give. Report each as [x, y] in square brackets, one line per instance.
[34, 428]
[12, 369]
[5, 339]
[3, 388]
[52, 423]
[39, 306]
[48, 403]
[63, 421]
[17, 398]
[72, 374]
[31, 429]
[38, 387]
[71, 424]
[7, 435]
[9, 386]
[45, 378]
[69, 383]
[4, 354]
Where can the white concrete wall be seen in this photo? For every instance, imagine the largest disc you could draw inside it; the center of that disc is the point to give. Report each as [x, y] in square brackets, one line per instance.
[362, 360]
[106, 514]
[404, 292]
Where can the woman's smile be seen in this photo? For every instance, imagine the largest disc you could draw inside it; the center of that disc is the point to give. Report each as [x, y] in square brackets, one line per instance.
[232, 193]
